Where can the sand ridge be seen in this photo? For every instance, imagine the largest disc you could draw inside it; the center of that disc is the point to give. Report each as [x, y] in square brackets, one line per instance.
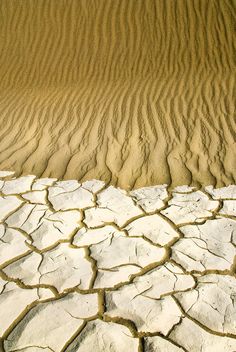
[135, 92]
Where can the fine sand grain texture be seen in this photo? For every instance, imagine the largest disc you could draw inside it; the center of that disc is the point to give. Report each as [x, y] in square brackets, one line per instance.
[132, 92]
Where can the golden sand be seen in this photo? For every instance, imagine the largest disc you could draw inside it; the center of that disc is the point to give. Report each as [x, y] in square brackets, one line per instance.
[134, 92]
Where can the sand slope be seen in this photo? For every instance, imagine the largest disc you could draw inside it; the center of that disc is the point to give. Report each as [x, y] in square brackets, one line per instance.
[132, 92]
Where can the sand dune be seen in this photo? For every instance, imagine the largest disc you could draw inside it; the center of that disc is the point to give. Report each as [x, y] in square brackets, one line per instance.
[132, 92]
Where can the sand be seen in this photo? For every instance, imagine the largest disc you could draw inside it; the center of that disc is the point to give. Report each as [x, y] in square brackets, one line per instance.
[134, 93]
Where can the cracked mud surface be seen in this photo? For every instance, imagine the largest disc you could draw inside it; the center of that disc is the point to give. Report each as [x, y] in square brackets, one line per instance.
[85, 267]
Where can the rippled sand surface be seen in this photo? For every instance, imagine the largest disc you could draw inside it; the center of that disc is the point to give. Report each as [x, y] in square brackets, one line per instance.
[131, 92]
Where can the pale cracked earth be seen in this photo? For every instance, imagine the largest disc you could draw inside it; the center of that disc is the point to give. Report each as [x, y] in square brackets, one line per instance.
[90, 268]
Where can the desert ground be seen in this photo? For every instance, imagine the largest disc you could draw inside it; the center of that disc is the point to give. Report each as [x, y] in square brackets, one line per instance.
[86, 267]
[132, 92]
[117, 176]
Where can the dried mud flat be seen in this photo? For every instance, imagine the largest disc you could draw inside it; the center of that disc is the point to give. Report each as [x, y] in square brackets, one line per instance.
[132, 92]
[88, 267]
